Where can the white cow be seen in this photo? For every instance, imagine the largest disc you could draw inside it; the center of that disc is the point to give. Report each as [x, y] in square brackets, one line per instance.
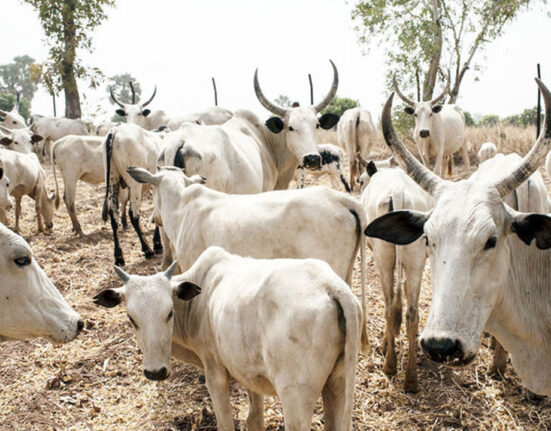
[209, 117]
[285, 327]
[51, 129]
[102, 129]
[357, 134]
[487, 151]
[80, 158]
[12, 119]
[6, 201]
[390, 189]
[20, 140]
[332, 158]
[27, 177]
[439, 129]
[31, 305]
[136, 113]
[486, 273]
[129, 145]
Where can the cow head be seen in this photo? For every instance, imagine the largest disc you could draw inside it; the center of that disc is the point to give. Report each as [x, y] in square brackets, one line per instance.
[12, 119]
[466, 236]
[299, 124]
[6, 201]
[20, 140]
[422, 111]
[150, 310]
[134, 112]
[30, 304]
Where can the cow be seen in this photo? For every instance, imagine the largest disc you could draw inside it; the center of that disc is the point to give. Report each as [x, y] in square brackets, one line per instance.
[439, 129]
[283, 223]
[128, 145]
[332, 158]
[51, 129]
[102, 129]
[285, 327]
[27, 177]
[389, 162]
[390, 189]
[487, 273]
[357, 134]
[6, 201]
[209, 117]
[31, 305]
[12, 119]
[136, 113]
[80, 158]
[20, 140]
[487, 151]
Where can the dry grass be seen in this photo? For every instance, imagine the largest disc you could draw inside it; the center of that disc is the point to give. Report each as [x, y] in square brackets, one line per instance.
[98, 384]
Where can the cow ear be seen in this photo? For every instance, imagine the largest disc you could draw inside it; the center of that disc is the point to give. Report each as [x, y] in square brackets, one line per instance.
[187, 290]
[109, 298]
[327, 121]
[371, 169]
[398, 227]
[409, 110]
[36, 138]
[5, 141]
[436, 108]
[275, 124]
[146, 112]
[533, 226]
[121, 112]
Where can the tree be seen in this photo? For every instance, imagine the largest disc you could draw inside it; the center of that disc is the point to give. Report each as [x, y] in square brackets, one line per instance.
[7, 102]
[340, 104]
[16, 77]
[431, 37]
[283, 101]
[121, 87]
[68, 25]
[489, 120]
[469, 120]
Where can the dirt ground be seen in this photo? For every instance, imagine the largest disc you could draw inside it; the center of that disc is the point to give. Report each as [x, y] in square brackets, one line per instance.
[96, 382]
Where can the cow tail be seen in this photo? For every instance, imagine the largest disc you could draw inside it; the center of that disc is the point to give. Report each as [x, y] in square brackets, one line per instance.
[52, 156]
[108, 152]
[396, 203]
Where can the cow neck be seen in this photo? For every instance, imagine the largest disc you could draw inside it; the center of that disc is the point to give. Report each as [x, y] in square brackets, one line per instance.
[285, 161]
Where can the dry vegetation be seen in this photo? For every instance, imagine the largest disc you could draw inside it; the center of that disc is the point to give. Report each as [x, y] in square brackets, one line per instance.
[96, 383]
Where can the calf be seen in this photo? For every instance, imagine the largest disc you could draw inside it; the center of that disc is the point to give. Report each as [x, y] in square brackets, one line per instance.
[389, 190]
[30, 304]
[27, 177]
[487, 151]
[285, 327]
[331, 162]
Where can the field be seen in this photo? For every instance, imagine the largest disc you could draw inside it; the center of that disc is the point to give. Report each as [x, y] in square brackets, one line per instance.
[96, 382]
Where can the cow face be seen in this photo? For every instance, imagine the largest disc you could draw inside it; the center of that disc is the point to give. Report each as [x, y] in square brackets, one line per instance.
[135, 114]
[12, 120]
[425, 113]
[6, 201]
[47, 207]
[20, 140]
[30, 304]
[150, 310]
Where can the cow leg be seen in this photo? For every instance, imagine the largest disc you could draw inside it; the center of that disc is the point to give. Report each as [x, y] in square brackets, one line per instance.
[168, 255]
[218, 387]
[466, 160]
[335, 413]
[157, 244]
[133, 212]
[412, 286]
[255, 418]
[298, 406]
[301, 178]
[38, 208]
[113, 215]
[439, 165]
[3, 217]
[499, 362]
[69, 198]
[17, 213]
[123, 193]
[352, 164]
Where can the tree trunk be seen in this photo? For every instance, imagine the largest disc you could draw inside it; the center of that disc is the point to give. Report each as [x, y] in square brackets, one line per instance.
[72, 98]
[431, 75]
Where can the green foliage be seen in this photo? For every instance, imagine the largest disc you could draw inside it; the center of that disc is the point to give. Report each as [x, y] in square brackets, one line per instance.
[489, 120]
[340, 104]
[283, 101]
[7, 102]
[121, 88]
[16, 76]
[469, 120]
[526, 118]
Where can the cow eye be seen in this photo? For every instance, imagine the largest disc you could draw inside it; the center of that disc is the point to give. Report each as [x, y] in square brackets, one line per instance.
[170, 315]
[318, 126]
[291, 129]
[491, 243]
[22, 261]
[132, 321]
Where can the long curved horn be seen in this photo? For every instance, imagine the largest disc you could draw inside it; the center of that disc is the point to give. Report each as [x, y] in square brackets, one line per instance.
[535, 156]
[170, 270]
[327, 99]
[133, 92]
[122, 274]
[441, 95]
[274, 109]
[151, 98]
[419, 173]
[400, 94]
[114, 98]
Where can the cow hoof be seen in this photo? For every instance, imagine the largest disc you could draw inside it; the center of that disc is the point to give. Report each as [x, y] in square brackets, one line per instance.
[148, 254]
[119, 261]
[411, 386]
[496, 372]
[531, 396]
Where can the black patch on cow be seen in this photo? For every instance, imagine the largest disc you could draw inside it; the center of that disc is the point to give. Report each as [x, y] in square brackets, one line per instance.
[1, 173]
[436, 108]
[358, 120]
[327, 121]
[146, 112]
[5, 141]
[187, 290]
[371, 169]
[390, 204]
[409, 110]
[530, 226]
[121, 112]
[108, 298]
[160, 129]
[345, 183]
[328, 157]
[398, 227]
[274, 124]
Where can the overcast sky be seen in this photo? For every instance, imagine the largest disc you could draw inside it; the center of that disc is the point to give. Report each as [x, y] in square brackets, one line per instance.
[179, 45]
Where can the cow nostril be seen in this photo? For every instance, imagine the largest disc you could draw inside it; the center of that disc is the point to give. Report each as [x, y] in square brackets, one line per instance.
[442, 349]
[160, 374]
[80, 326]
[424, 133]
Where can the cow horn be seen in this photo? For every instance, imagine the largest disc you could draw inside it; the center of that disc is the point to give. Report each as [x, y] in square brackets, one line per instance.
[122, 274]
[444, 92]
[151, 98]
[401, 95]
[5, 129]
[419, 173]
[327, 100]
[170, 270]
[535, 156]
[17, 101]
[114, 98]
[264, 101]
[133, 92]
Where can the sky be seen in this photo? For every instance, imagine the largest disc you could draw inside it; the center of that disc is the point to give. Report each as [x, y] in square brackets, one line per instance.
[180, 45]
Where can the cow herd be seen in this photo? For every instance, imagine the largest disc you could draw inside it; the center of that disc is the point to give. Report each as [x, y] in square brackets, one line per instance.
[255, 277]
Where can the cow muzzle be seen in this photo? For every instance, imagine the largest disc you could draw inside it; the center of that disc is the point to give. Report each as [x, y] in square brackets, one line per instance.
[424, 133]
[446, 351]
[312, 162]
[160, 374]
